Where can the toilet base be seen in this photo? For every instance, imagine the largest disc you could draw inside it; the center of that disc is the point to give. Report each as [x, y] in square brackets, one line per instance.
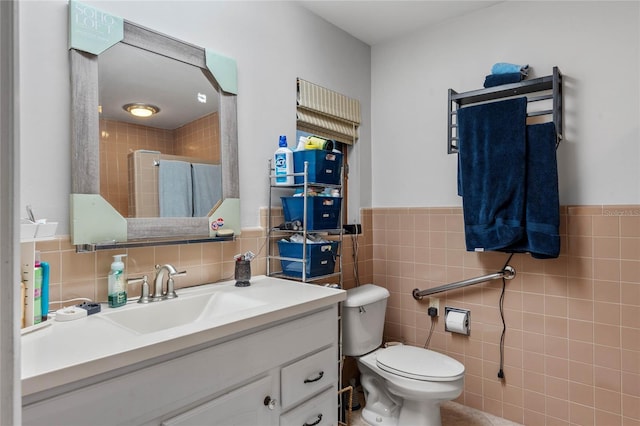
[420, 413]
[381, 408]
[392, 400]
[414, 413]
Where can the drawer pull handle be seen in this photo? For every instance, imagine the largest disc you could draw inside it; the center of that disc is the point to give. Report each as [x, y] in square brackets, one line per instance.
[314, 423]
[316, 379]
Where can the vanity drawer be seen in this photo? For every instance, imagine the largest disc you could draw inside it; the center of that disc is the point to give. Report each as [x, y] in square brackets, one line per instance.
[319, 411]
[309, 376]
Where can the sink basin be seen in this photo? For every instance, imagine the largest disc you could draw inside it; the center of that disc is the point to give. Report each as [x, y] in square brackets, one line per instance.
[158, 316]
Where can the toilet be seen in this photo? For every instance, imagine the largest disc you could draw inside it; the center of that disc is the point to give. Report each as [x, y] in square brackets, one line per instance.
[403, 385]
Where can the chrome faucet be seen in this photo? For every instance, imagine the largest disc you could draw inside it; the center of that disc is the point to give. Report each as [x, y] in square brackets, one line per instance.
[158, 291]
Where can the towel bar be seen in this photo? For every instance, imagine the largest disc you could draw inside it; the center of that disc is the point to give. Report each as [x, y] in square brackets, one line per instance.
[508, 273]
[551, 82]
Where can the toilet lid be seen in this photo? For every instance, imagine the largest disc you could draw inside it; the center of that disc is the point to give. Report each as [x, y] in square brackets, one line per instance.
[419, 364]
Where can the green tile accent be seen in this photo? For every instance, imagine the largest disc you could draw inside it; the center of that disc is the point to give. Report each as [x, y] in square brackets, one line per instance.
[227, 214]
[94, 220]
[224, 69]
[92, 30]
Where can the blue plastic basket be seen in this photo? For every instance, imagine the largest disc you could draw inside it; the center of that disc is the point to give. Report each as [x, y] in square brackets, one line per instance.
[322, 212]
[324, 166]
[320, 259]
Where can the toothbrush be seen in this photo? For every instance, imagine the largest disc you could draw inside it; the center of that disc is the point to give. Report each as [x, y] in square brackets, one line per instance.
[30, 214]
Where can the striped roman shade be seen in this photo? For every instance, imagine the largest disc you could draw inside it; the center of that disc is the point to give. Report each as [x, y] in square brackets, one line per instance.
[326, 113]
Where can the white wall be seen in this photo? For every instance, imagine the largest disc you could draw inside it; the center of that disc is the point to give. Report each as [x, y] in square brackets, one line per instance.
[595, 45]
[272, 42]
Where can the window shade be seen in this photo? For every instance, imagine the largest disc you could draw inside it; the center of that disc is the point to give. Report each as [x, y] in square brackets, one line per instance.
[326, 113]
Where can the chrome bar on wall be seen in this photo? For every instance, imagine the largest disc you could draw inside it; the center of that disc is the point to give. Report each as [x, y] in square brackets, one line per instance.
[508, 273]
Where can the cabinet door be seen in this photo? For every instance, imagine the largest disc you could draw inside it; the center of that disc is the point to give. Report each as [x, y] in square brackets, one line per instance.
[244, 406]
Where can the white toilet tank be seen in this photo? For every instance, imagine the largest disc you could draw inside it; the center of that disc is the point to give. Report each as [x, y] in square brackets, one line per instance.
[363, 319]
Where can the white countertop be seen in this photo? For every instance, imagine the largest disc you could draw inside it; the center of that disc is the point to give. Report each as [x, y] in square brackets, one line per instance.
[66, 352]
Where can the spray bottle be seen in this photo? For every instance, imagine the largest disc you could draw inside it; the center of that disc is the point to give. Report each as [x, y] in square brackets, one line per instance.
[117, 283]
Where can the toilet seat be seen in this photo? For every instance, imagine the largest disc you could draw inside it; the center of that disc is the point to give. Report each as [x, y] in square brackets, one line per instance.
[419, 364]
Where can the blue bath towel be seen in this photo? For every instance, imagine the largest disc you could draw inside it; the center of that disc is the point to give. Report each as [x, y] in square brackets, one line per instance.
[175, 189]
[493, 80]
[542, 206]
[492, 143]
[506, 68]
[207, 187]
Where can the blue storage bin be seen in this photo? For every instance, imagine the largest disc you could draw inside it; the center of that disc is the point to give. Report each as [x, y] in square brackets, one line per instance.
[321, 258]
[322, 212]
[324, 166]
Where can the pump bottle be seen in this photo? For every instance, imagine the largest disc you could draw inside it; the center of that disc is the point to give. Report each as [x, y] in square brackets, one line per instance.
[283, 162]
[117, 283]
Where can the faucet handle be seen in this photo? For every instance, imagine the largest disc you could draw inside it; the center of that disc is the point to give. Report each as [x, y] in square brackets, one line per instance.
[144, 290]
[171, 292]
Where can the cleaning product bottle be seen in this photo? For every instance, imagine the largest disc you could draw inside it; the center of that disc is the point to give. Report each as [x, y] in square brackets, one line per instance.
[23, 304]
[37, 291]
[44, 293]
[283, 161]
[117, 283]
[302, 143]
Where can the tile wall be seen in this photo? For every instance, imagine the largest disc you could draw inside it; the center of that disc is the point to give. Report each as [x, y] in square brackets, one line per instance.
[75, 275]
[572, 346]
[200, 138]
[117, 140]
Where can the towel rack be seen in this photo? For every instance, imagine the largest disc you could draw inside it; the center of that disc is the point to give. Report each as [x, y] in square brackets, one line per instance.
[508, 273]
[539, 87]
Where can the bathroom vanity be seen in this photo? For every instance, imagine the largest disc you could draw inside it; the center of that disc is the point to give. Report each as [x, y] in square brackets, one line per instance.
[260, 355]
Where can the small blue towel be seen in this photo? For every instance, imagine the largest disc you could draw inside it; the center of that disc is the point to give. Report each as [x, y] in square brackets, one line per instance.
[175, 189]
[492, 143]
[542, 211]
[493, 80]
[207, 187]
[506, 68]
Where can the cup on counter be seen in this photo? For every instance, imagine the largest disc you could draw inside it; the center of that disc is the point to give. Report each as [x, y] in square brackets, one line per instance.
[243, 273]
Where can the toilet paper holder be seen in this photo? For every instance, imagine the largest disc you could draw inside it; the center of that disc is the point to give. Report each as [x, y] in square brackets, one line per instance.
[460, 322]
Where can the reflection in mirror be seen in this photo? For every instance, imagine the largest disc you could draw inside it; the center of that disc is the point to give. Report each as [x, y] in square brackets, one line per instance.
[147, 162]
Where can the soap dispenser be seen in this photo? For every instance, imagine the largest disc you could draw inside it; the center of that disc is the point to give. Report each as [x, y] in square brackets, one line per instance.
[117, 283]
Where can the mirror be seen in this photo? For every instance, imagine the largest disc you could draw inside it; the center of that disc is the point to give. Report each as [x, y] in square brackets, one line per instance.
[183, 126]
[86, 133]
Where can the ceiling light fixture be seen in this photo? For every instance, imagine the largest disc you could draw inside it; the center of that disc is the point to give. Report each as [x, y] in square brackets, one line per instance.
[141, 110]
